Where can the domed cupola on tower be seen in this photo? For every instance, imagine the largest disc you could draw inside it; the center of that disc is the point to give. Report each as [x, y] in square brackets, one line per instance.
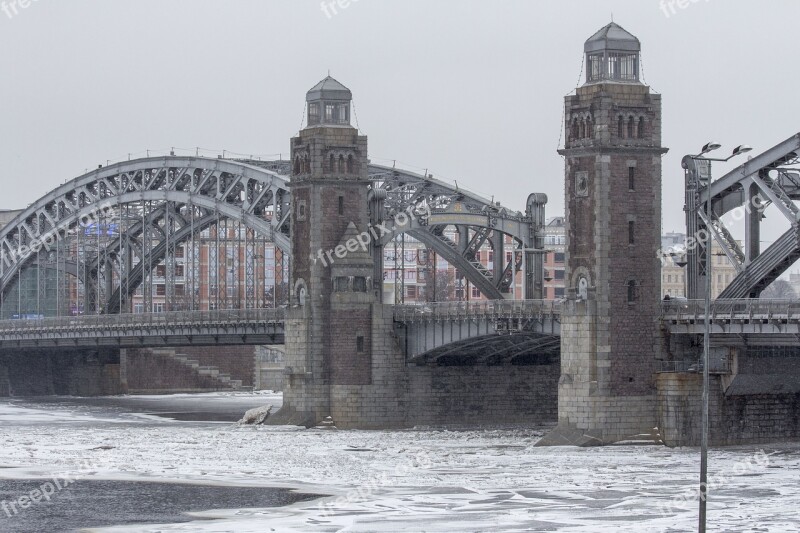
[329, 104]
[612, 54]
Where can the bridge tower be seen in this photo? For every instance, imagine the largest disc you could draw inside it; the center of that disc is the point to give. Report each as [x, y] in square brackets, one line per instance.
[329, 325]
[610, 335]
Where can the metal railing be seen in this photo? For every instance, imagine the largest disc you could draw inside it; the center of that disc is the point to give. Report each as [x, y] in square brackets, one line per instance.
[142, 320]
[744, 309]
[695, 366]
[489, 309]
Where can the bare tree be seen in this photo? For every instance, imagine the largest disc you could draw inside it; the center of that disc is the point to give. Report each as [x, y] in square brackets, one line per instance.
[779, 290]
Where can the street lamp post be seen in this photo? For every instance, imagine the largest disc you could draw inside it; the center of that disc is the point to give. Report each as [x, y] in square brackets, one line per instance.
[707, 331]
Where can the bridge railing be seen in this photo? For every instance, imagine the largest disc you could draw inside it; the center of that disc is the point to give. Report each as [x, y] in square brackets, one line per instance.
[492, 309]
[142, 320]
[745, 309]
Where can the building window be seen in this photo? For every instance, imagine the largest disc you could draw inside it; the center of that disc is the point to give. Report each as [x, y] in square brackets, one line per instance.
[350, 166]
[313, 113]
[161, 290]
[559, 292]
[329, 110]
[620, 127]
[476, 293]
[341, 284]
[359, 284]
[631, 232]
[630, 128]
[641, 128]
[341, 205]
[631, 178]
[360, 344]
[558, 274]
[631, 291]
[559, 257]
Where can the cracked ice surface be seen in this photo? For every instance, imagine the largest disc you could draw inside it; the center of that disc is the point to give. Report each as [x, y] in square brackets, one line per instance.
[413, 480]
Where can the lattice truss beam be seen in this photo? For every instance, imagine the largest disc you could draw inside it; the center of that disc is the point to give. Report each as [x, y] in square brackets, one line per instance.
[771, 178]
[120, 227]
[436, 207]
[157, 205]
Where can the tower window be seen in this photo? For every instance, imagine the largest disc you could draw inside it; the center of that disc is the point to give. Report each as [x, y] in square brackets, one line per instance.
[631, 232]
[341, 205]
[631, 291]
[620, 128]
[641, 127]
[359, 284]
[630, 128]
[350, 169]
[332, 164]
[329, 111]
[631, 178]
[343, 115]
[313, 113]
[360, 344]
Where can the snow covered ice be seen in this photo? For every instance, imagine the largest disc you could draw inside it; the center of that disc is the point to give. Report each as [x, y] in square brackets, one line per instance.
[412, 480]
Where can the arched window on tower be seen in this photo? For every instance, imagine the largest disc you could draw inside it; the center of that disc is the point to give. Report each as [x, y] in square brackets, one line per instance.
[350, 167]
[307, 166]
[582, 129]
[297, 167]
[589, 130]
[574, 129]
[620, 127]
[641, 127]
[332, 164]
[341, 164]
[630, 128]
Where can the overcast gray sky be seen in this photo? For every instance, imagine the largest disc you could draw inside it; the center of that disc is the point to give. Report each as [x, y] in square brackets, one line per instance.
[470, 90]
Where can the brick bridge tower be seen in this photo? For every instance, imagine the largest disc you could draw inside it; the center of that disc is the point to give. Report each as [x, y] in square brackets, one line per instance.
[610, 334]
[330, 338]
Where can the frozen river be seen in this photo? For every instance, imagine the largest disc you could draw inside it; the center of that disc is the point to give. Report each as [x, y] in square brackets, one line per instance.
[179, 463]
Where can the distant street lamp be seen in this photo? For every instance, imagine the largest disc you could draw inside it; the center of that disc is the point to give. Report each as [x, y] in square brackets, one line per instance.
[709, 147]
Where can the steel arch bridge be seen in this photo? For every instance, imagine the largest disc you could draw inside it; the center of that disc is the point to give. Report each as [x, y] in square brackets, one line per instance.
[120, 228]
[771, 178]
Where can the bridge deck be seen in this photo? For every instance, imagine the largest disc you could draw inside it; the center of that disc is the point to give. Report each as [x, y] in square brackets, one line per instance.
[233, 326]
[731, 317]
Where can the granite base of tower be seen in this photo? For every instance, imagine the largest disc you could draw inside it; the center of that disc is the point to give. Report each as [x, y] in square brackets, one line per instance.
[310, 395]
[590, 411]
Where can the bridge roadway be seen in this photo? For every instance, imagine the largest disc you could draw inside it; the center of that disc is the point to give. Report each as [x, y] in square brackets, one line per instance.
[181, 328]
[479, 330]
